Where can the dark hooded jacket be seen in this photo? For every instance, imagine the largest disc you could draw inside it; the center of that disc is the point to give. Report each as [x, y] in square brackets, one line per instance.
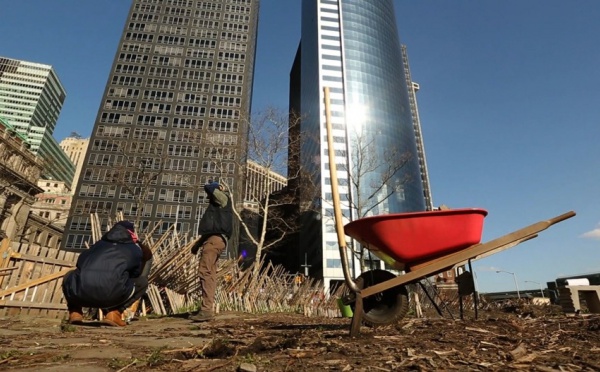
[103, 275]
[218, 218]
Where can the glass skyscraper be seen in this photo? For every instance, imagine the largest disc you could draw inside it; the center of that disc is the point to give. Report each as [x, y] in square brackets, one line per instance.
[173, 115]
[352, 47]
[31, 98]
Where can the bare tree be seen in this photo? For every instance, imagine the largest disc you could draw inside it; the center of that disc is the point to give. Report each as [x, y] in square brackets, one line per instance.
[139, 171]
[265, 209]
[374, 178]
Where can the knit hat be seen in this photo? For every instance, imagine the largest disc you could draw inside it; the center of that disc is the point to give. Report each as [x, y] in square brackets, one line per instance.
[130, 228]
[127, 224]
[211, 187]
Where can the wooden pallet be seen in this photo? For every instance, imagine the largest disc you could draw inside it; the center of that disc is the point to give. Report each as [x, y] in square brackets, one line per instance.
[31, 279]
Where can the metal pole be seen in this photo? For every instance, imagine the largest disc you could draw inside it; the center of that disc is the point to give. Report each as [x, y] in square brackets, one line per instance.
[516, 285]
[538, 283]
[514, 278]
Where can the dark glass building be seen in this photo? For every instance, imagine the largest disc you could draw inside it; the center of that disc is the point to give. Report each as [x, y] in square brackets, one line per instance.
[352, 47]
[172, 116]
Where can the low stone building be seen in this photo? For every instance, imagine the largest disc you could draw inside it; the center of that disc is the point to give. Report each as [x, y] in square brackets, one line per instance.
[54, 203]
[20, 171]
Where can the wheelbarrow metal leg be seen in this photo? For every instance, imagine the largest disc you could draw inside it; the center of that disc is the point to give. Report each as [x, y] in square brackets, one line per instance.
[475, 293]
[357, 316]
[431, 299]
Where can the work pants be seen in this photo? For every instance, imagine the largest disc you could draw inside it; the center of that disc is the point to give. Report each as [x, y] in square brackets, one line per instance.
[211, 250]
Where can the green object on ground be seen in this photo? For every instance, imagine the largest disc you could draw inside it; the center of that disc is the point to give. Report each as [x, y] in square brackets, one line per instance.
[345, 309]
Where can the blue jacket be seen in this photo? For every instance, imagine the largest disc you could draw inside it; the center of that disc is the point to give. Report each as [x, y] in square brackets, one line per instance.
[103, 275]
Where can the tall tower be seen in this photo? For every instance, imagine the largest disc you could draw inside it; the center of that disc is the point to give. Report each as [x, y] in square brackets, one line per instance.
[31, 97]
[413, 88]
[352, 47]
[75, 148]
[178, 91]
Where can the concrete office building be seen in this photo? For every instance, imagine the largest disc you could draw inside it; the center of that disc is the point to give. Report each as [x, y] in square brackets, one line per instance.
[75, 147]
[31, 97]
[259, 183]
[178, 91]
[54, 203]
[352, 47]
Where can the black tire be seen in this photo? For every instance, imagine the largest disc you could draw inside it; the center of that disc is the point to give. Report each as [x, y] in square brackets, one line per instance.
[386, 307]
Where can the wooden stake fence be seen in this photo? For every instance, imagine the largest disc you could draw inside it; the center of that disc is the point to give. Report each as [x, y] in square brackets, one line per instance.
[31, 279]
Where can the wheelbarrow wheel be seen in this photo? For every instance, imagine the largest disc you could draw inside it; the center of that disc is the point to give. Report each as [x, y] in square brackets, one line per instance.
[386, 307]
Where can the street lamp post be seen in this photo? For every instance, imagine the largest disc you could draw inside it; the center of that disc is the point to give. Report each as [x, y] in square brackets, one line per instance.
[514, 278]
[538, 283]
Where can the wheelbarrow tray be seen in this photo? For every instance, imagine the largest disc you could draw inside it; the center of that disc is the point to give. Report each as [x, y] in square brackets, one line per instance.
[401, 239]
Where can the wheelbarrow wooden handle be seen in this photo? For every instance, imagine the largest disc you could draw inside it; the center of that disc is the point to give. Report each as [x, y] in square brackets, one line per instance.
[562, 217]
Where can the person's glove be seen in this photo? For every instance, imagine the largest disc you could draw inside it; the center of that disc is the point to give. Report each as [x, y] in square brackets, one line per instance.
[146, 251]
[220, 198]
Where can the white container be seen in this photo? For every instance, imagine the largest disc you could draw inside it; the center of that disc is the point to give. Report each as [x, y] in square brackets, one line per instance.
[574, 282]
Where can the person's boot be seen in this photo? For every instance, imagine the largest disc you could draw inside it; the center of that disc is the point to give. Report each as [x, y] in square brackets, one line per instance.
[114, 318]
[202, 316]
[75, 315]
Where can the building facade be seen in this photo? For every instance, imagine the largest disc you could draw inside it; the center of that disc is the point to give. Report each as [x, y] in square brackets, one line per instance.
[352, 47]
[31, 98]
[75, 147]
[19, 171]
[260, 182]
[172, 116]
[54, 203]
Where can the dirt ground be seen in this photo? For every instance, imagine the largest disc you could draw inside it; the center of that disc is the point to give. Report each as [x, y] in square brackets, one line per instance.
[508, 338]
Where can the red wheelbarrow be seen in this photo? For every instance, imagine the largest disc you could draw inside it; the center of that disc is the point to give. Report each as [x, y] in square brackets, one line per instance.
[422, 244]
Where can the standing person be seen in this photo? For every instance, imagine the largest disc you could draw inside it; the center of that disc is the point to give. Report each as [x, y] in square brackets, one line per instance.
[215, 230]
[111, 275]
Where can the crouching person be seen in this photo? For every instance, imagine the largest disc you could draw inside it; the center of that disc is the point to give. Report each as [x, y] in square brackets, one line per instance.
[111, 275]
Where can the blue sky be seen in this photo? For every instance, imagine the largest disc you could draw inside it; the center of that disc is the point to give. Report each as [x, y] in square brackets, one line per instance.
[509, 106]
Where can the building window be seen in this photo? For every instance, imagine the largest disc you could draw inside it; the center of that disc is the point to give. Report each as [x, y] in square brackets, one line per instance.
[333, 263]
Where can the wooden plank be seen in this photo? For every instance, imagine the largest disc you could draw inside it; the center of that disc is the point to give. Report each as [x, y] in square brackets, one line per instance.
[157, 303]
[155, 300]
[34, 282]
[55, 293]
[38, 271]
[55, 314]
[50, 260]
[27, 304]
[4, 250]
[42, 288]
[172, 300]
[33, 248]
[27, 274]
[13, 279]
[71, 256]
